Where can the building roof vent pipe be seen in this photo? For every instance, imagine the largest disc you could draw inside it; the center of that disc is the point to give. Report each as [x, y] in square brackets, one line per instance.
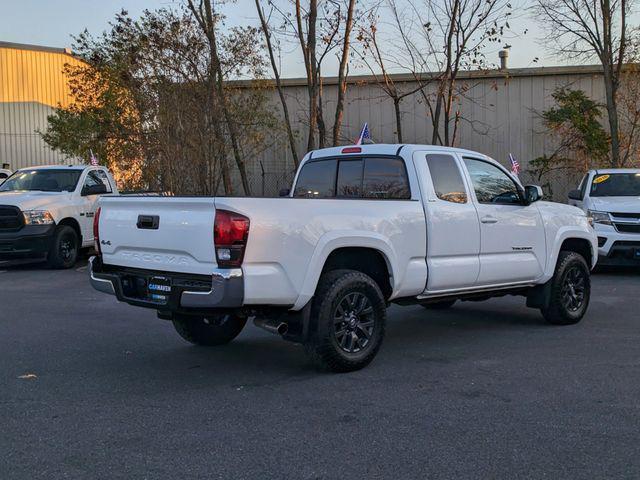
[504, 56]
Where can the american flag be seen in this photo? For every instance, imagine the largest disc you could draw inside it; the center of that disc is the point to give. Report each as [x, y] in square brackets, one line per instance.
[364, 133]
[515, 166]
[93, 158]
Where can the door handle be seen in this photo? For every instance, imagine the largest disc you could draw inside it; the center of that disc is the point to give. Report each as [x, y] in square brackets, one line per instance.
[489, 219]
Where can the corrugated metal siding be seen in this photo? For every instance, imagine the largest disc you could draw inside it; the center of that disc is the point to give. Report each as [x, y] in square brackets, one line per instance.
[501, 115]
[31, 85]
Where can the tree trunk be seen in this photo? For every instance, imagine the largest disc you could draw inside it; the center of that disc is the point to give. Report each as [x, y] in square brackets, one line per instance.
[207, 23]
[610, 88]
[322, 129]
[233, 134]
[342, 77]
[285, 109]
[396, 106]
[311, 44]
[308, 47]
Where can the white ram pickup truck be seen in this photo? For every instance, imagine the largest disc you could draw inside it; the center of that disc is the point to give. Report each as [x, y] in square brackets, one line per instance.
[611, 197]
[47, 212]
[362, 227]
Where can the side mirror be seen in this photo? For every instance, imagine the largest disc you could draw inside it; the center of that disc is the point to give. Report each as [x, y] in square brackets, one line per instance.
[284, 192]
[100, 189]
[575, 195]
[533, 193]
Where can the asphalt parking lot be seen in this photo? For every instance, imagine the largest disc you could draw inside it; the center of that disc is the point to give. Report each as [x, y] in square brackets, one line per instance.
[90, 388]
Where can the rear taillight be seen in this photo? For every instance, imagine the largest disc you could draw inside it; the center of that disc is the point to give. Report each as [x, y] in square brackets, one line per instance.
[96, 231]
[230, 233]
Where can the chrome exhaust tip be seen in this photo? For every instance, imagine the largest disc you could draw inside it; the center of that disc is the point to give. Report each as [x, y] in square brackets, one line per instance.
[272, 326]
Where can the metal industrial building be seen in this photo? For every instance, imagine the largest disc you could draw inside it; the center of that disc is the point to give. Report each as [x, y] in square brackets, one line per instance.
[31, 85]
[500, 112]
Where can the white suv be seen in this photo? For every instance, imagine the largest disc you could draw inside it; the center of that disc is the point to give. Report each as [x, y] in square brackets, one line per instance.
[612, 198]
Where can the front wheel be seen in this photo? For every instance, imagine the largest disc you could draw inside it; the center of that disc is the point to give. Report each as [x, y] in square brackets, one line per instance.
[64, 249]
[348, 317]
[211, 330]
[570, 290]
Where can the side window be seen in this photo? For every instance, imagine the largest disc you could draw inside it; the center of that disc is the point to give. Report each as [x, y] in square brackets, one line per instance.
[317, 180]
[349, 182]
[103, 177]
[97, 177]
[491, 184]
[446, 178]
[385, 178]
[583, 185]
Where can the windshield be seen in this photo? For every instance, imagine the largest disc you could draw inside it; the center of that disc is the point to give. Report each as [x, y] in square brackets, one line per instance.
[616, 185]
[46, 180]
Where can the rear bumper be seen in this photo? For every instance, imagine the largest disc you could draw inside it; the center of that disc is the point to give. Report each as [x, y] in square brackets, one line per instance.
[223, 289]
[30, 241]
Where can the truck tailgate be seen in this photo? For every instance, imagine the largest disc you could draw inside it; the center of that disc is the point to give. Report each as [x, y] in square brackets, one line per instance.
[173, 234]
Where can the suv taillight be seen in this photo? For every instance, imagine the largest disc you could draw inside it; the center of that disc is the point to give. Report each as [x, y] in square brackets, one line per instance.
[230, 233]
[96, 231]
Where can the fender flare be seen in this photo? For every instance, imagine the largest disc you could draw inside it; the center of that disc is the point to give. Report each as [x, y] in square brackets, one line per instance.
[563, 234]
[334, 240]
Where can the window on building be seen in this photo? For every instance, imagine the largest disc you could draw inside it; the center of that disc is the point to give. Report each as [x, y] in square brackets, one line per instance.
[317, 180]
[446, 178]
[491, 184]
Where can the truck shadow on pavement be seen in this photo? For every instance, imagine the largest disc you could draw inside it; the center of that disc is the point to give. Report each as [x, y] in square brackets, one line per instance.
[40, 265]
[254, 358]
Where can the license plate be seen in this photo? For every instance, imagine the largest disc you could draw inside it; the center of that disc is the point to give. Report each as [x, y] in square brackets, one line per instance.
[159, 289]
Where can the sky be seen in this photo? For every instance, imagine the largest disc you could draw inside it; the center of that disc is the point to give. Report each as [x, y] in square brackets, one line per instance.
[53, 22]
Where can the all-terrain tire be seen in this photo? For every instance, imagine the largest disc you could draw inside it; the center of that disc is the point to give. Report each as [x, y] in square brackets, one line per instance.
[348, 317]
[64, 248]
[210, 330]
[570, 290]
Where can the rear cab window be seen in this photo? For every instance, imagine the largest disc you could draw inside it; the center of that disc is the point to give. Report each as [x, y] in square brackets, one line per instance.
[369, 177]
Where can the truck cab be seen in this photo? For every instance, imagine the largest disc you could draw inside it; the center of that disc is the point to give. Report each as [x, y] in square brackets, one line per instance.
[611, 197]
[47, 212]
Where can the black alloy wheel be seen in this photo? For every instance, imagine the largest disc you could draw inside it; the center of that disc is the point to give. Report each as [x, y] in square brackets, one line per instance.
[353, 322]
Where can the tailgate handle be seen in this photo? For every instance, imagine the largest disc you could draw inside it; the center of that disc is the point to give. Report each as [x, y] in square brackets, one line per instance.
[148, 222]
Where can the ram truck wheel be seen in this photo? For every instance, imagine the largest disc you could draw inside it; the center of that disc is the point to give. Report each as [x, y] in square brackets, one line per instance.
[210, 330]
[64, 248]
[348, 317]
[443, 305]
[570, 290]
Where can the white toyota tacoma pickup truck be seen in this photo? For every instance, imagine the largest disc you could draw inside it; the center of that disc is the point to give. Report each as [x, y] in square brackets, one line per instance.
[362, 227]
[612, 198]
[47, 212]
